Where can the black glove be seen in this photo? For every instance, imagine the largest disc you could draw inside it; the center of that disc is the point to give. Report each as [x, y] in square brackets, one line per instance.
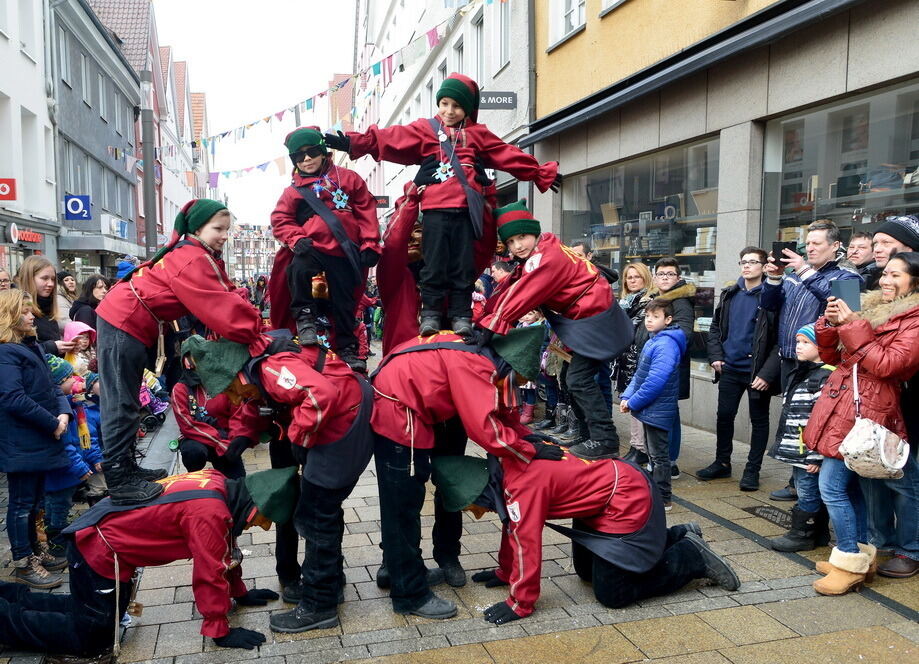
[256, 597]
[237, 446]
[283, 345]
[483, 337]
[556, 183]
[369, 258]
[489, 577]
[548, 452]
[240, 637]
[338, 142]
[426, 170]
[537, 437]
[304, 246]
[480, 175]
[500, 613]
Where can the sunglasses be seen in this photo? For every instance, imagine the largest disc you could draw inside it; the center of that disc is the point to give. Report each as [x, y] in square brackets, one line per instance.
[312, 152]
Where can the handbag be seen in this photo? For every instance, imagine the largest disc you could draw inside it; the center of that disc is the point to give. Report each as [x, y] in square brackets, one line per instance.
[871, 449]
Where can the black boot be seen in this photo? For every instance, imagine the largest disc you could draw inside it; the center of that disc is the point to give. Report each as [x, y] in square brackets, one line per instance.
[561, 416]
[302, 620]
[125, 488]
[636, 456]
[750, 479]
[148, 474]
[802, 535]
[430, 324]
[548, 422]
[306, 328]
[822, 527]
[349, 356]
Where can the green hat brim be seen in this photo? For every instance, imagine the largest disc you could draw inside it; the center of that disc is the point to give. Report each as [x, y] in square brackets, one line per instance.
[459, 480]
[517, 227]
[521, 347]
[274, 492]
[216, 362]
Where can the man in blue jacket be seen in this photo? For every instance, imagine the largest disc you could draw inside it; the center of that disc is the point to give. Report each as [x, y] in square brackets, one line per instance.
[652, 395]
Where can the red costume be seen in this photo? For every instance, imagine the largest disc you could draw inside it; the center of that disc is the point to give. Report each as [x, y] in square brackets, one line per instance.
[553, 276]
[199, 529]
[229, 418]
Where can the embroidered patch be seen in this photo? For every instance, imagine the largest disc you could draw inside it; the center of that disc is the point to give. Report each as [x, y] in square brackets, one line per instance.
[532, 262]
[513, 511]
[286, 379]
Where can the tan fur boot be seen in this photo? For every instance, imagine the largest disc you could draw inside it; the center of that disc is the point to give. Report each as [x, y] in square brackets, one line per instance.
[847, 573]
[824, 567]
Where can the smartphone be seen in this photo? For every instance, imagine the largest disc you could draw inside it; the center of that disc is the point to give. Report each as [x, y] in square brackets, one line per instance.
[778, 246]
[847, 290]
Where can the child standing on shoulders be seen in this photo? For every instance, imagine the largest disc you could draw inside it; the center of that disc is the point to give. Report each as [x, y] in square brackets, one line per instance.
[453, 208]
[809, 518]
[651, 397]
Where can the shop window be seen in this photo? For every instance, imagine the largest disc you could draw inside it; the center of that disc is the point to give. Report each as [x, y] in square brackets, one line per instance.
[854, 162]
[643, 209]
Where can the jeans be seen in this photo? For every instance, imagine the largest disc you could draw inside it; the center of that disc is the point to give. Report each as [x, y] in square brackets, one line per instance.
[637, 434]
[401, 498]
[893, 511]
[675, 436]
[842, 496]
[57, 508]
[26, 493]
[656, 442]
[122, 359]
[552, 392]
[344, 292]
[615, 587]
[587, 400]
[195, 456]
[808, 486]
[731, 387]
[282, 454]
[448, 274]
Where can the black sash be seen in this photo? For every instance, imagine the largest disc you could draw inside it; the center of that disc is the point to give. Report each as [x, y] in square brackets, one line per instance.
[339, 464]
[484, 351]
[635, 552]
[474, 199]
[105, 507]
[601, 337]
[347, 245]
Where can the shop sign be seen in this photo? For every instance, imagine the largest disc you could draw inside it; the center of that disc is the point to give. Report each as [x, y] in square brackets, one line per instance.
[16, 236]
[77, 208]
[498, 101]
[7, 189]
[382, 201]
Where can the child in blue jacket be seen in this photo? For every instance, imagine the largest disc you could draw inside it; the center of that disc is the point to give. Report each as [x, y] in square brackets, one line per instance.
[652, 394]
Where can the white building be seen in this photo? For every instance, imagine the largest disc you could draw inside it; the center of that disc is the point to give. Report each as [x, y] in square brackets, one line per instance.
[27, 175]
[175, 151]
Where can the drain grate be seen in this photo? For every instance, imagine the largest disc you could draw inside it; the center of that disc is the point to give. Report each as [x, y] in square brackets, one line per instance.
[771, 514]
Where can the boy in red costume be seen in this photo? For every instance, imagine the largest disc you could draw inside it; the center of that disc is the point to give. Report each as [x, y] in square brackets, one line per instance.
[326, 220]
[453, 208]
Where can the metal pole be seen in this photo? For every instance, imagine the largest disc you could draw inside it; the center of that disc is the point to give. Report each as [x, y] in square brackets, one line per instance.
[147, 141]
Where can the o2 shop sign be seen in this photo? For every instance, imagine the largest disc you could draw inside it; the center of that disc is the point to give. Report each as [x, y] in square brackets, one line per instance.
[7, 189]
[77, 208]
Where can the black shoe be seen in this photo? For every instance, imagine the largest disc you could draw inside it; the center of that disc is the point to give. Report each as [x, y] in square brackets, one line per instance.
[750, 480]
[435, 608]
[594, 449]
[803, 533]
[133, 491]
[454, 574]
[429, 325]
[149, 474]
[306, 329]
[693, 527]
[561, 416]
[548, 422]
[349, 357]
[716, 568]
[462, 326]
[299, 620]
[674, 471]
[292, 592]
[636, 456]
[715, 471]
[435, 577]
[788, 494]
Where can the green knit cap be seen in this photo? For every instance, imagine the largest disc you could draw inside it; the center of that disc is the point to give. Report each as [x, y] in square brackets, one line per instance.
[464, 90]
[459, 480]
[195, 214]
[216, 362]
[61, 370]
[522, 349]
[304, 137]
[274, 492]
[514, 219]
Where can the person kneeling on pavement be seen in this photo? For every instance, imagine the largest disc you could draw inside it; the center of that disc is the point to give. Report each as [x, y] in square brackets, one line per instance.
[620, 539]
[198, 516]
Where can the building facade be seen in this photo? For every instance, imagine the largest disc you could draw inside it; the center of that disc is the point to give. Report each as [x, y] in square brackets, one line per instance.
[252, 251]
[723, 125]
[175, 152]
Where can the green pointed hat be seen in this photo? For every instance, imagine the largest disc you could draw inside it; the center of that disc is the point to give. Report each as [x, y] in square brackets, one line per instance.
[459, 480]
[514, 219]
[522, 349]
[274, 492]
[216, 362]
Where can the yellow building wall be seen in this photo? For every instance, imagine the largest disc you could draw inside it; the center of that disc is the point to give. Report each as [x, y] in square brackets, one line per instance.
[628, 39]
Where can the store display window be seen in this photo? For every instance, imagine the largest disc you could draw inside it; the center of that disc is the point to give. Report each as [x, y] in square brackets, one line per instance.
[855, 162]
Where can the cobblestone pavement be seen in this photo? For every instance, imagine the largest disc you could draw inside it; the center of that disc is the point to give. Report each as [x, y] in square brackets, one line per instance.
[775, 616]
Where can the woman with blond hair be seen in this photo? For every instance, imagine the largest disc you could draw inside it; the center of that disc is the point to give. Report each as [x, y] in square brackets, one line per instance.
[38, 278]
[33, 416]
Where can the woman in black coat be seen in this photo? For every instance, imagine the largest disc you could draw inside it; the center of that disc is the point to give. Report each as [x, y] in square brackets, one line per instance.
[83, 309]
[38, 277]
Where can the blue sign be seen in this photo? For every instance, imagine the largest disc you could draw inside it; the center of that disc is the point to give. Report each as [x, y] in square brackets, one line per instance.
[77, 208]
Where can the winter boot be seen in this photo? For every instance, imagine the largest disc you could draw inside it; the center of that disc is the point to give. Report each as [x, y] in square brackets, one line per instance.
[526, 416]
[749, 481]
[462, 326]
[430, 324]
[126, 488]
[548, 422]
[148, 474]
[637, 457]
[561, 416]
[306, 328]
[824, 567]
[847, 573]
[573, 434]
[302, 620]
[801, 536]
[454, 574]
[822, 527]
[590, 450]
[57, 545]
[349, 356]
[30, 572]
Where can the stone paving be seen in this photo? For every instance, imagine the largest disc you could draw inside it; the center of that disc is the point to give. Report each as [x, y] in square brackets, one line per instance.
[775, 616]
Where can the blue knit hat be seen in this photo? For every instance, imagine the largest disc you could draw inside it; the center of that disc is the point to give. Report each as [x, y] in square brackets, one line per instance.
[808, 331]
[61, 370]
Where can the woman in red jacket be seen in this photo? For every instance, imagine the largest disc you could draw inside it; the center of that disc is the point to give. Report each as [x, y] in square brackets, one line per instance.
[883, 340]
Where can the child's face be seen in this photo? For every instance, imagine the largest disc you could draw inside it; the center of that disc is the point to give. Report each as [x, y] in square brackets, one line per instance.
[26, 321]
[806, 350]
[522, 245]
[657, 320]
[216, 231]
[82, 341]
[529, 317]
[450, 111]
[67, 386]
[308, 164]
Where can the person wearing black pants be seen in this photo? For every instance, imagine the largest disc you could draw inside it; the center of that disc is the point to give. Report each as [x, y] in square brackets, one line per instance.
[287, 566]
[450, 438]
[588, 402]
[195, 456]
[448, 274]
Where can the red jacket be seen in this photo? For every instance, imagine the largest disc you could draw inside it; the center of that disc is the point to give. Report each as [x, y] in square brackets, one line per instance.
[188, 280]
[888, 335]
[570, 488]
[411, 143]
[553, 276]
[229, 418]
[199, 529]
[417, 390]
[322, 405]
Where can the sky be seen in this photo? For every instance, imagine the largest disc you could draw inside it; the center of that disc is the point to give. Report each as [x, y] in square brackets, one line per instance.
[254, 59]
